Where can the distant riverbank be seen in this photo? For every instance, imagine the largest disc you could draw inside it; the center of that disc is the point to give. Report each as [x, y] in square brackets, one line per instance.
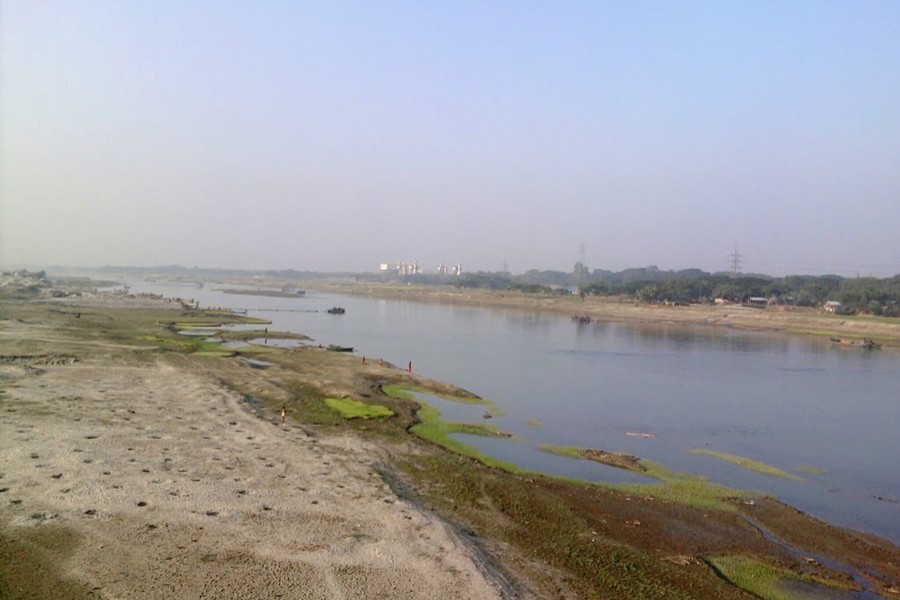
[788, 319]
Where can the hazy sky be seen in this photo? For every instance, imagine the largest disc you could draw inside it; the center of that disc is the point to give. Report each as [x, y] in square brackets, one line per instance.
[332, 135]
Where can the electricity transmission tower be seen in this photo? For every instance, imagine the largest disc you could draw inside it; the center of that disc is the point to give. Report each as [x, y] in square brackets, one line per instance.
[734, 262]
[580, 268]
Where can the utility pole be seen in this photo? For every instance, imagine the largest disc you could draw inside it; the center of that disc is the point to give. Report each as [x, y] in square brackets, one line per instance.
[734, 262]
[580, 269]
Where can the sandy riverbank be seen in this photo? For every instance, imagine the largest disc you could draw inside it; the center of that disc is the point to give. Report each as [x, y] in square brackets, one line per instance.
[787, 319]
[128, 477]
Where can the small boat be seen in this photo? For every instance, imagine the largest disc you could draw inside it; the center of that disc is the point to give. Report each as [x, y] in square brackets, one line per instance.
[333, 348]
[864, 343]
[258, 364]
[336, 310]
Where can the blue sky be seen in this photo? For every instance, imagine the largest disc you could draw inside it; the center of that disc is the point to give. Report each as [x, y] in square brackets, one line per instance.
[338, 135]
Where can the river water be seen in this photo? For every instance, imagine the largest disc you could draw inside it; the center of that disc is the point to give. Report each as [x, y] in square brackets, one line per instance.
[827, 414]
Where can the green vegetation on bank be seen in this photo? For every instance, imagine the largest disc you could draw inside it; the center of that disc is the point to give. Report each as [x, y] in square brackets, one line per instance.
[541, 519]
[811, 470]
[685, 488]
[746, 463]
[759, 579]
[568, 451]
[682, 488]
[434, 429]
[406, 391]
[354, 409]
[859, 295]
[767, 581]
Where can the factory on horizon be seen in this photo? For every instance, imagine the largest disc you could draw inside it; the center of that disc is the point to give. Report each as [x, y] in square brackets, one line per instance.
[414, 268]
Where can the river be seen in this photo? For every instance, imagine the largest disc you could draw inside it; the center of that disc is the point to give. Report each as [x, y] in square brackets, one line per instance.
[826, 414]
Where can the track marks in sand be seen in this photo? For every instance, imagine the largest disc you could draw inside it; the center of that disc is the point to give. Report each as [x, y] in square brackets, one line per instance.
[179, 491]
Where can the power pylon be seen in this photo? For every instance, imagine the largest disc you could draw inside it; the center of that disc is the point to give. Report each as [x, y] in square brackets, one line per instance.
[734, 262]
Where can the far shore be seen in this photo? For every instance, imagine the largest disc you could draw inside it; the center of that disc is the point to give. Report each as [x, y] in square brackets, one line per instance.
[789, 319]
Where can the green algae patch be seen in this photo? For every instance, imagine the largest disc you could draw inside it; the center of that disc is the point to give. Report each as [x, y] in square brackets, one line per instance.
[811, 470]
[771, 582]
[533, 423]
[186, 344]
[746, 463]
[758, 578]
[685, 488]
[682, 488]
[252, 334]
[434, 429]
[569, 451]
[354, 409]
[618, 460]
[408, 392]
[214, 353]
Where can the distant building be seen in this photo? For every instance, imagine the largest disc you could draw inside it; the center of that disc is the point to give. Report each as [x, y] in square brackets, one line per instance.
[832, 306]
[757, 301]
[414, 268]
[402, 268]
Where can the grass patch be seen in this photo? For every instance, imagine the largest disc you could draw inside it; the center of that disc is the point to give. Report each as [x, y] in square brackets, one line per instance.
[619, 460]
[438, 431]
[252, 334]
[746, 463]
[407, 392]
[569, 451]
[354, 409]
[214, 353]
[533, 423]
[547, 528]
[767, 581]
[758, 578]
[434, 429]
[186, 344]
[308, 405]
[811, 470]
[684, 488]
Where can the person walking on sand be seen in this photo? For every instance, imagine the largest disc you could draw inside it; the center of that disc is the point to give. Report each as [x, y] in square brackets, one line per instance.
[283, 413]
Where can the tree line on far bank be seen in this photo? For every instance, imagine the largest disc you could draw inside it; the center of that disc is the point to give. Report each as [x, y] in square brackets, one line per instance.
[859, 295]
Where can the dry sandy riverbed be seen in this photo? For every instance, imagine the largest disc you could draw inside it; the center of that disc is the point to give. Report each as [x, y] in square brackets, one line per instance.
[164, 484]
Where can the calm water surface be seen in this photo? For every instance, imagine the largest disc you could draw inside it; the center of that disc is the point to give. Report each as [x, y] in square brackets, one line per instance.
[792, 402]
